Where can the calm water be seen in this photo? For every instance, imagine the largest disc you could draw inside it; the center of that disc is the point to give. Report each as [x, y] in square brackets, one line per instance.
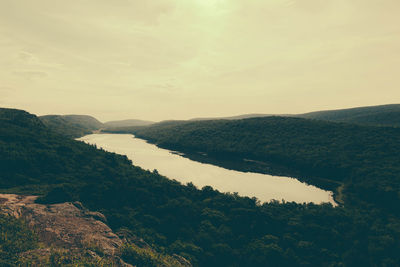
[264, 187]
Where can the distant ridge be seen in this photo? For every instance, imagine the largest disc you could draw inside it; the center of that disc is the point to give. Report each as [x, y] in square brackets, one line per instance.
[19, 118]
[237, 117]
[79, 125]
[71, 125]
[128, 123]
[382, 115]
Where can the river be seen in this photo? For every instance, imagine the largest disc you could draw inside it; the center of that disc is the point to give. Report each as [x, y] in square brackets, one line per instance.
[264, 187]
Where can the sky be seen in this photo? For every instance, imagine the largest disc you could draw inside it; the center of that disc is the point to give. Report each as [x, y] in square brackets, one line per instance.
[179, 59]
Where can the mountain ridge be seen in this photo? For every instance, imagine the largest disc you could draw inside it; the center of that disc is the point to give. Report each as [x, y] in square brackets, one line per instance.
[127, 123]
[379, 115]
[71, 125]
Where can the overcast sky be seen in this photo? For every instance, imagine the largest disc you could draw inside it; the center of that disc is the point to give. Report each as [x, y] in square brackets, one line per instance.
[178, 59]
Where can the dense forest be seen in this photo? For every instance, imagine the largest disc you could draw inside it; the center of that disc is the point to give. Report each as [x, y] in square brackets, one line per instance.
[382, 115]
[361, 160]
[208, 227]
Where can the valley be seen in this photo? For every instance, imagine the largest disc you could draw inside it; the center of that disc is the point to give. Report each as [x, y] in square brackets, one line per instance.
[197, 222]
[204, 133]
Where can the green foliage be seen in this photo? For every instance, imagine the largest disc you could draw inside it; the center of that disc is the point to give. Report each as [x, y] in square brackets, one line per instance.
[63, 257]
[145, 257]
[15, 238]
[203, 225]
[364, 158]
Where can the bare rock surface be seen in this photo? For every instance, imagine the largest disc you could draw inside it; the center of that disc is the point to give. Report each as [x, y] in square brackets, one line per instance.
[67, 225]
[70, 229]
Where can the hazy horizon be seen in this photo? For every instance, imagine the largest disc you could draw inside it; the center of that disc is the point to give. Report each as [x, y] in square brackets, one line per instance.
[175, 59]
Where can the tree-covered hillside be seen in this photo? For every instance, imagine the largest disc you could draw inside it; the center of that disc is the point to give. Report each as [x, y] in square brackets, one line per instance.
[384, 115]
[203, 225]
[364, 159]
[127, 123]
[71, 125]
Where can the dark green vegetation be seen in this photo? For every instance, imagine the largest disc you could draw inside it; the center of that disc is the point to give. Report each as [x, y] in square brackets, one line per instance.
[15, 238]
[71, 125]
[146, 257]
[363, 159]
[205, 226]
[385, 115]
[238, 117]
[131, 129]
[82, 257]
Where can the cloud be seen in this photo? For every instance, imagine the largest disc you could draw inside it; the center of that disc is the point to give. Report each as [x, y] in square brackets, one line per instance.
[26, 56]
[258, 54]
[5, 92]
[31, 74]
[5, 89]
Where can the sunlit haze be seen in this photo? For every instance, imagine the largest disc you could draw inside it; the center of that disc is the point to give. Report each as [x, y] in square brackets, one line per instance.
[179, 59]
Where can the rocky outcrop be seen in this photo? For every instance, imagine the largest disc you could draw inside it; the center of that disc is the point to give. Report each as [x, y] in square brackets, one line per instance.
[69, 229]
[65, 229]
[67, 225]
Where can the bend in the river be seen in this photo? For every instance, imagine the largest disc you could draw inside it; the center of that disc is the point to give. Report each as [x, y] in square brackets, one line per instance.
[262, 186]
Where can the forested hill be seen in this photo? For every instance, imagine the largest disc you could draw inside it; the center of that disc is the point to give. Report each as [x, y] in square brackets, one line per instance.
[384, 115]
[364, 159]
[19, 118]
[127, 123]
[131, 129]
[237, 117]
[207, 227]
[71, 125]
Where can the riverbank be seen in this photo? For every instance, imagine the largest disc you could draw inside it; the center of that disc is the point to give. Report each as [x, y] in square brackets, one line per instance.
[247, 165]
[225, 175]
[243, 164]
